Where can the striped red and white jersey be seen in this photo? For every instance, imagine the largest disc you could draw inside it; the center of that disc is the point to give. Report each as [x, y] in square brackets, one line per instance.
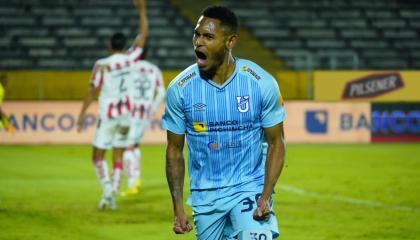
[112, 76]
[148, 89]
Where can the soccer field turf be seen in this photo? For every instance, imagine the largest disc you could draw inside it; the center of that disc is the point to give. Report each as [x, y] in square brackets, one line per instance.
[325, 192]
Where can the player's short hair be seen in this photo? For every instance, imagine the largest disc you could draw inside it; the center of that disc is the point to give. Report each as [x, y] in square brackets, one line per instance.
[118, 41]
[224, 14]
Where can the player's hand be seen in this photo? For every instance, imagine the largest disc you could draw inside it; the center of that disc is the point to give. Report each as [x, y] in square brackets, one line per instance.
[181, 224]
[139, 4]
[263, 209]
[80, 122]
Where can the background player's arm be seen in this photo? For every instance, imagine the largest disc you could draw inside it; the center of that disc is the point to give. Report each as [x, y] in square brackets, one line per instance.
[274, 164]
[160, 92]
[175, 171]
[143, 23]
[92, 92]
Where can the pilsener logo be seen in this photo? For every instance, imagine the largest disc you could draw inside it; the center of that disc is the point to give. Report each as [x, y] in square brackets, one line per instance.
[316, 121]
[200, 127]
[373, 85]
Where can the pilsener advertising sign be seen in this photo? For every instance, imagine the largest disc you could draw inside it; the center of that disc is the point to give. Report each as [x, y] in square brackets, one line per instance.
[375, 86]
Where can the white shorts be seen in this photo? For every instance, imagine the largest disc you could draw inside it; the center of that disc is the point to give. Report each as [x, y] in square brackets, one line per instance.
[137, 130]
[112, 133]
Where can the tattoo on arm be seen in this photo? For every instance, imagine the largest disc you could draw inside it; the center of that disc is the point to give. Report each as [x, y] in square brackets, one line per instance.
[175, 170]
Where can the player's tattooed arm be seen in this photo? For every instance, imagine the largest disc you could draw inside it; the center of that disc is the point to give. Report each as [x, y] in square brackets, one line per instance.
[175, 171]
[276, 153]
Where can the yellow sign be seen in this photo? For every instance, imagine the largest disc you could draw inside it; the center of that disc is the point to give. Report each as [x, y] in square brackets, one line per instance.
[378, 86]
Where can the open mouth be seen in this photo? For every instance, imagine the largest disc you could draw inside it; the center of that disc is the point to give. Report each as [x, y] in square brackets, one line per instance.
[201, 58]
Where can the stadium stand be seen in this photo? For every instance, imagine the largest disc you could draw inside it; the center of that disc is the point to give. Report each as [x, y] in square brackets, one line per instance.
[72, 34]
[336, 34]
[304, 34]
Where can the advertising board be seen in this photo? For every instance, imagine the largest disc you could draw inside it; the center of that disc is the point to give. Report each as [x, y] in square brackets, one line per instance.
[374, 86]
[55, 123]
[396, 122]
[307, 122]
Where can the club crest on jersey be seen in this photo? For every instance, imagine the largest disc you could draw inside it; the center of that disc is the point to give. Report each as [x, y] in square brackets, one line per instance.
[243, 103]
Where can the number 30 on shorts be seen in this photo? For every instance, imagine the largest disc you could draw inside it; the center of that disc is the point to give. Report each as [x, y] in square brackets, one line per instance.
[258, 234]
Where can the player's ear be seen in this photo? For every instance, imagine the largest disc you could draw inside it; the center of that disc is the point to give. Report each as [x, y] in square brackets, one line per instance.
[231, 41]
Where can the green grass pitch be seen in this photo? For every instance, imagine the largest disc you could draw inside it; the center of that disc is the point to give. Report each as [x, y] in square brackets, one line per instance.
[325, 192]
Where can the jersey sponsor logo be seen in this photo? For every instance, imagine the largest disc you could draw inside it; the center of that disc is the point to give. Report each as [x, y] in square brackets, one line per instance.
[185, 79]
[223, 123]
[243, 103]
[212, 145]
[199, 107]
[373, 85]
[200, 127]
[317, 121]
[215, 145]
[221, 126]
[250, 71]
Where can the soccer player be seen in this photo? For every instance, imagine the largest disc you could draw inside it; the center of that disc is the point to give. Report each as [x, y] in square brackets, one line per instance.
[111, 76]
[147, 94]
[225, 107]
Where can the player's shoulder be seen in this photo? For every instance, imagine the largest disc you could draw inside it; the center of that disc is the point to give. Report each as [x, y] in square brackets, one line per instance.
[146, 66]
[105, 62]
[150, 65]
[101, 64]
[102, 61]
[185, 77]
[253, 70]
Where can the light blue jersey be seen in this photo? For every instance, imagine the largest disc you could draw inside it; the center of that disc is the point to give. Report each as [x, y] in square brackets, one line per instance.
[223, 126]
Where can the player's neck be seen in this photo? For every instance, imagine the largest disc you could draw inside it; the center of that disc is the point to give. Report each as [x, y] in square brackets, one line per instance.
[225, 70]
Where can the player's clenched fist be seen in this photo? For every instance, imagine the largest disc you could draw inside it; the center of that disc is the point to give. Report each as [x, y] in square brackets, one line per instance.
[263, 210]
[181, 225]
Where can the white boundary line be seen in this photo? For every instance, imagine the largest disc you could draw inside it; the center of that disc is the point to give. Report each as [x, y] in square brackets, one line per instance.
[339, 198]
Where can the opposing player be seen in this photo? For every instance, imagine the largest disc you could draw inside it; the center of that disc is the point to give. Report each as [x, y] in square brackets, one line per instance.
[226, 107]
[111, 76]
[147, 94]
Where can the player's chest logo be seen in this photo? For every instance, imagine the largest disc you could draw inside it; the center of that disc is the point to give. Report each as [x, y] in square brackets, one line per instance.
[199, 107]
[242, 103]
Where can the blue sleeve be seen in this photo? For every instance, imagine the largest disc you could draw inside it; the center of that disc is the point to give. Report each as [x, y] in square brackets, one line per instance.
[173, 119]
[273, 108]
